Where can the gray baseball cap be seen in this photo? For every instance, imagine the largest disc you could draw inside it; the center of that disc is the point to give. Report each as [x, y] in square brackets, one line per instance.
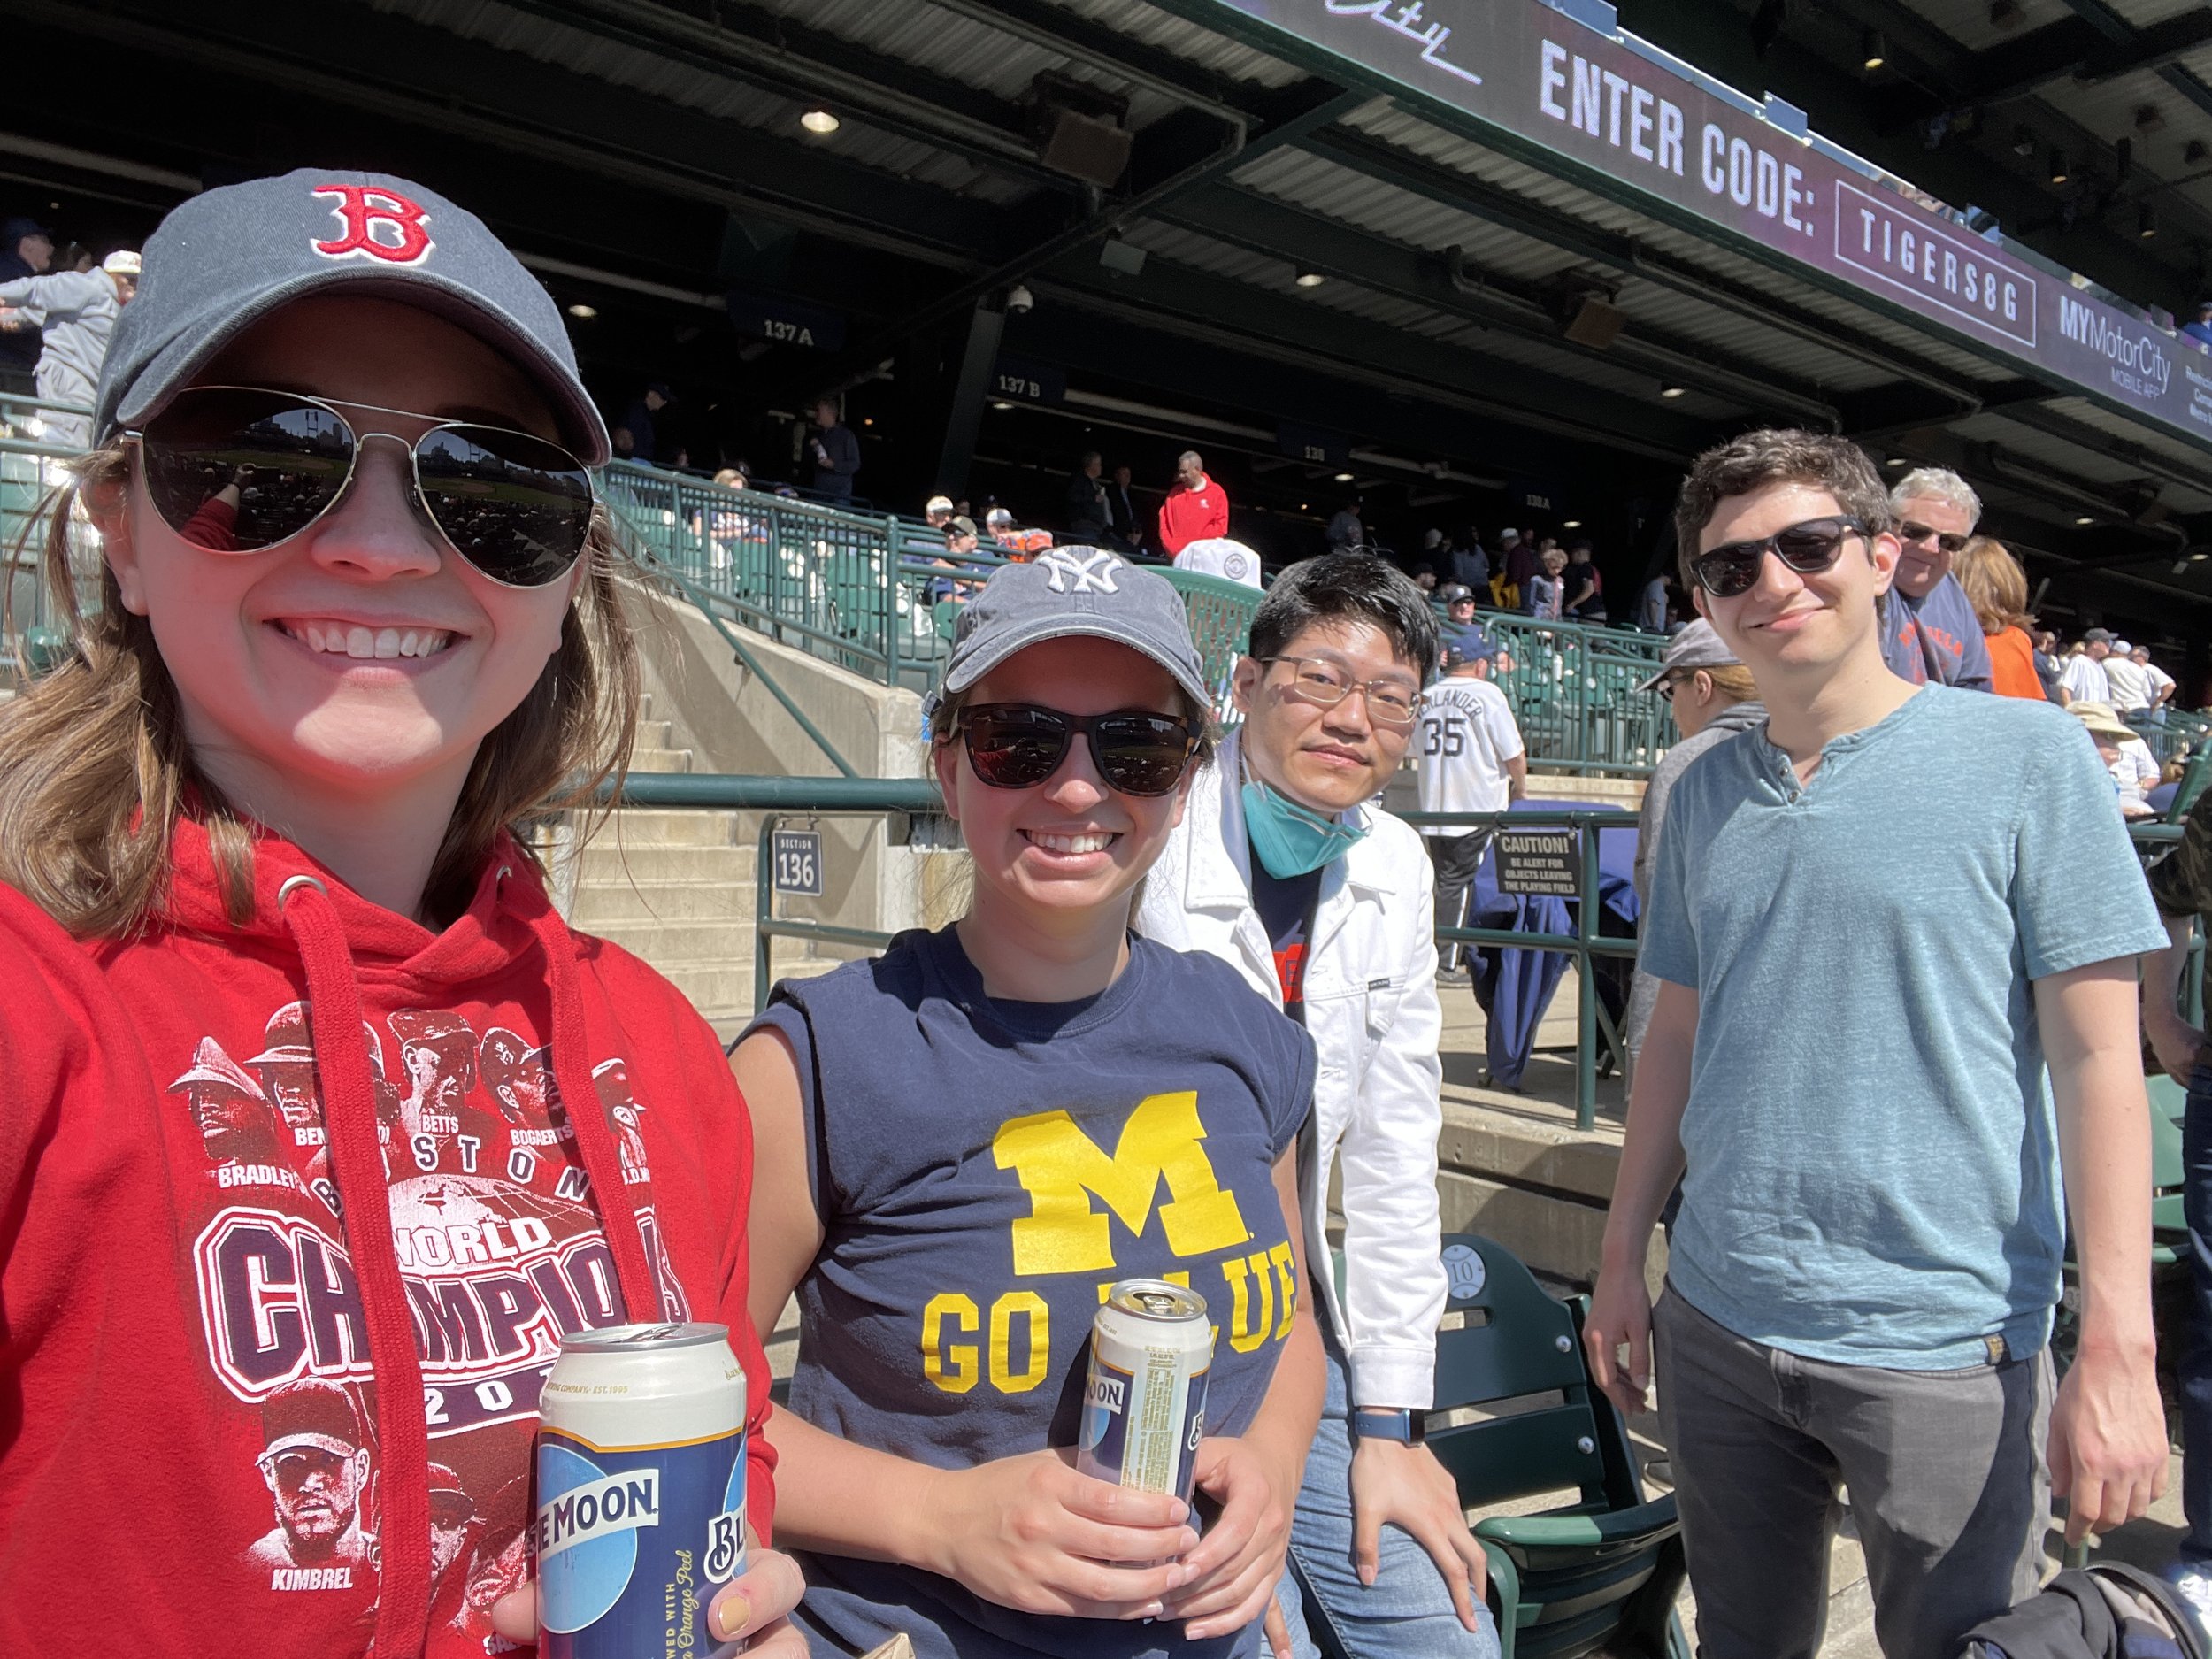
[1697, 645]
[1071, 593]
[227, 257]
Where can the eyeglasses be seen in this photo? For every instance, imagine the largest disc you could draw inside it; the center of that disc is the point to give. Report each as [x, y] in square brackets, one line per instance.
[1389, 702]
[1021, 745]
[1949, 542]
[237, 469]
[1808, 547]
[1667, 688]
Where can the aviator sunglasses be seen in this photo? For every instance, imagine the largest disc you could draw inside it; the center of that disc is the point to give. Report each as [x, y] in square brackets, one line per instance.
[516, 507]
[1020, 745]
[1807, 548]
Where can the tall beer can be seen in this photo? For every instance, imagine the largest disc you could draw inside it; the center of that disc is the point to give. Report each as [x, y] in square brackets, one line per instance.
[640, 1504]
[1144, 1403]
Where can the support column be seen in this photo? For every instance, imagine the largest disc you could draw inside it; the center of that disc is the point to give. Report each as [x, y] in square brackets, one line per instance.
[971, 384]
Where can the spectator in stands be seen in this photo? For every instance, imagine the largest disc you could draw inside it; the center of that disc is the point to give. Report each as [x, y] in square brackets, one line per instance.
[960, 542]
[1469, 565]
[1651, 605]
[1121, 512]
[901, 1110]
[638, 421]
[1471, 759]
[1799, 1346]
[2163, 686]
[1219, 555]
[81, 311]
[2127, 757]
[2130, 685]
[1346, 533]
[836, 453]
[623, 442]
[2182, 885]
[1583, 596]
[1516, 565]
[1425, 578]
[1283, 865]
[2083, 675]
[1088, 518]
[1195, 509]
[2047, 668]
[1460, 627]
[1544, 595]
[1929, 631]
[27, 250]
[937, 511]
[1713, 698]
[1997, 588]
[2200, 329]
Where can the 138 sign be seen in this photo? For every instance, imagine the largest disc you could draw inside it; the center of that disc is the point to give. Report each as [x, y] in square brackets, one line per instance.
[797, 856]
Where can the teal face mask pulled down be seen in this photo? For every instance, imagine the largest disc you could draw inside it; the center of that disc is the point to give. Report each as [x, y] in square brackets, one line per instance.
[1292, 840]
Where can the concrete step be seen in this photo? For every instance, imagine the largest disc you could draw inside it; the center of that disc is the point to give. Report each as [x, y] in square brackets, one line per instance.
[643, 826]
[721, 989]
[660, 760]
[668, 945]
[607, 864]
[607, 902]
[655, 734]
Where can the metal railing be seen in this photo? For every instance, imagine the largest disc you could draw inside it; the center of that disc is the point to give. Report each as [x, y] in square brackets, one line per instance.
[32, 464]
[1572, 686]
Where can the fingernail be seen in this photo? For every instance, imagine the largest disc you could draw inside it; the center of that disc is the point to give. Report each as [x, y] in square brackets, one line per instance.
[1153, 1609]
[1367, 1577]
[1189, 1540]
[733, 1612]
[1181, 1513]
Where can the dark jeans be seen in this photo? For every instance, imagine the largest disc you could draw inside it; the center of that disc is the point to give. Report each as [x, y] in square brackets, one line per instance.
[1456, 858]
[2196, 1353]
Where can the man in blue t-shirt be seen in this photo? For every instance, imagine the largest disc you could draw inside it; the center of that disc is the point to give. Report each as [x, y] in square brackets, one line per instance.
[1930, 633]
[1868, 1088]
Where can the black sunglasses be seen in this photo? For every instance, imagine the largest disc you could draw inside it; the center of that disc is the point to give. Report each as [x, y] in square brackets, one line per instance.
[236, 468]
[1020, 745]
[1807, 548]
[1950, 541]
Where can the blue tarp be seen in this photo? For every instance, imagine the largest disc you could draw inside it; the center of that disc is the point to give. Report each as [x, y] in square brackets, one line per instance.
[1514, 987]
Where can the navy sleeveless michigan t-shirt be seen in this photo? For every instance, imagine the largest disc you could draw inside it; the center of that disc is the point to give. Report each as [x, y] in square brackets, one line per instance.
[983, 1169]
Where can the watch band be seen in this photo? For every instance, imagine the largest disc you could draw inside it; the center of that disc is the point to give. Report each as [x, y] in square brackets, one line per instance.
[1388, 1423]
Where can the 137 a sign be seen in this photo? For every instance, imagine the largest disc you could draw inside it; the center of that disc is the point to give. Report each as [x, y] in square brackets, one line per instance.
[796, 862]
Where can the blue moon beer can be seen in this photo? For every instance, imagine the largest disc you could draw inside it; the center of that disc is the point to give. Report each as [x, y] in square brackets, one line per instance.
[1144, 1401]
[640, 1499]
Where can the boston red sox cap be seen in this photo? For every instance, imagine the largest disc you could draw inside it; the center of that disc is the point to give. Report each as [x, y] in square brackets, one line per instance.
[229, 256]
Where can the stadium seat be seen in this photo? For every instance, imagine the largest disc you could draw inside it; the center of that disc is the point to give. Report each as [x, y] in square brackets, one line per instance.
[1600, 1573]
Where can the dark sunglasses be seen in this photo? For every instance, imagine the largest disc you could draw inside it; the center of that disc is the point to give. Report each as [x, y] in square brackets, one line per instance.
[1807, 548]
[1020, 745]
[516, 508]
[1948, 540]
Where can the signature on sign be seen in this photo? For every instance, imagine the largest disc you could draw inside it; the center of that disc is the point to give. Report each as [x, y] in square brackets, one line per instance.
[1409, 15]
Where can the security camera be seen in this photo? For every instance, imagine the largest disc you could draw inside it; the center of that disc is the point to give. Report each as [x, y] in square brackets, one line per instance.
[1020, 299]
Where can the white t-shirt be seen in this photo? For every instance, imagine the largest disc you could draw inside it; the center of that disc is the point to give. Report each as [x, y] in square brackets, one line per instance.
[2134, 769]
[1464, 735]
[2161, 680]
[2130, 685]
[2084, 679]
[1218, 556]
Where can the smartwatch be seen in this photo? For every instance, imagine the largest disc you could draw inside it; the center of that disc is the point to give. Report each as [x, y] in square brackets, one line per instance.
[1388, 1423]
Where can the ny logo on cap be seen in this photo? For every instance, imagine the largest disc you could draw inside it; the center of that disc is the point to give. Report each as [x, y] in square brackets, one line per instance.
[361, 209]
[1092, 575]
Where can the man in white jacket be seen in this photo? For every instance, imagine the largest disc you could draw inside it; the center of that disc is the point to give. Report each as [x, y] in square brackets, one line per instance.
[1284, 867]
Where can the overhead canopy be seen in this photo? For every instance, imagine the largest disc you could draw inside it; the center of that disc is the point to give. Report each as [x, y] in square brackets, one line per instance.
[1298, 225]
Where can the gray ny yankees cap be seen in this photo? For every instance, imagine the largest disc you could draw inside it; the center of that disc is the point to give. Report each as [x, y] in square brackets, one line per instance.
[229, 257]
[1069, 593]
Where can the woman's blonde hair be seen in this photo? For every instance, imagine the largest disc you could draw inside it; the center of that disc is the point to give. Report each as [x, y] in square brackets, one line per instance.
[95, 769]
[1731, 679]
[1995, 585]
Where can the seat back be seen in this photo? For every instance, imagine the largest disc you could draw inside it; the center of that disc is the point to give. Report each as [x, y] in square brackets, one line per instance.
[1513, 1340]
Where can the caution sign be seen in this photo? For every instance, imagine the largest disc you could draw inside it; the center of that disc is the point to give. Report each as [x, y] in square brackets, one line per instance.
[1539, 862]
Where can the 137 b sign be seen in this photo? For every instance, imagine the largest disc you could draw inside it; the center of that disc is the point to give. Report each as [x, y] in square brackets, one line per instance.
[797, 862]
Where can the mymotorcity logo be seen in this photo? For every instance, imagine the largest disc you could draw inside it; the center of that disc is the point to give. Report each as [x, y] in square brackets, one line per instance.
[2139, 363]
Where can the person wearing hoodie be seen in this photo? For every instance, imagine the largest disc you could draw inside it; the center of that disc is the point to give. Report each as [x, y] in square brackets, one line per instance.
[291, 1328]
[962, 1145]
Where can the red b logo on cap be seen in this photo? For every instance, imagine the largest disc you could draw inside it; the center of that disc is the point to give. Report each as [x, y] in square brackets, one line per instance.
[360, 209]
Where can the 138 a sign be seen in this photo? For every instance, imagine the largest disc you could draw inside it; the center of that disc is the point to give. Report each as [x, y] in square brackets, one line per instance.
[1538, 864]
[797, 862]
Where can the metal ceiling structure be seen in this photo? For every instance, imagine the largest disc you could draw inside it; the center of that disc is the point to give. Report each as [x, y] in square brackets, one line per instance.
[1298, 266]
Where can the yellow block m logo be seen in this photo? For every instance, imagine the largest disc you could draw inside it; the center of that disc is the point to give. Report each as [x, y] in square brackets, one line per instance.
[1061, 1169]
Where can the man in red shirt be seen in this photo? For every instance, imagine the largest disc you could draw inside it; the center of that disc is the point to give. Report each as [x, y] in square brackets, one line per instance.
[1195, 509]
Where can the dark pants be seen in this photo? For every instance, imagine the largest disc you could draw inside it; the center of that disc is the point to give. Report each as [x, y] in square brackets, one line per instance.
[2196, 1351]
[1456, 858]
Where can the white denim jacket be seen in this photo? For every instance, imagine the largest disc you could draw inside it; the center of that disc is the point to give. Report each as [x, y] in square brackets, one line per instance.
[1371, 1009]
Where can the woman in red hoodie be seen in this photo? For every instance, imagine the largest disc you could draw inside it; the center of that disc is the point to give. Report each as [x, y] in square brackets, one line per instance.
[318, 1127]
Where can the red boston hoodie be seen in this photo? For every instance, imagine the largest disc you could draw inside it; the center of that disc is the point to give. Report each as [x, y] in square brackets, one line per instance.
[292, 1217]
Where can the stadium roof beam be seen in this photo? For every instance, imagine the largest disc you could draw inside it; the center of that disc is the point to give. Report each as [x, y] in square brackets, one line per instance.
[2072, 48]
